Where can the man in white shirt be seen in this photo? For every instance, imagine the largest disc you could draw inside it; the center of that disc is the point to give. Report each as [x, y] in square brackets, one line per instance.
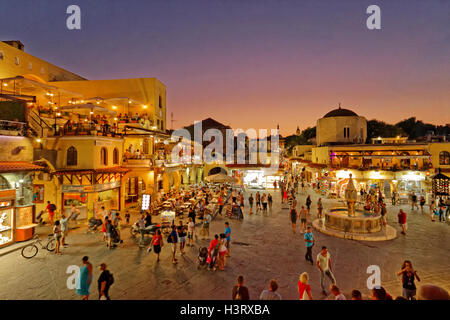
[323, 262]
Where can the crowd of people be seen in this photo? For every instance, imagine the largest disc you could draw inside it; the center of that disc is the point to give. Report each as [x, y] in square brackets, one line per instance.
[224, 197]
[407, 273]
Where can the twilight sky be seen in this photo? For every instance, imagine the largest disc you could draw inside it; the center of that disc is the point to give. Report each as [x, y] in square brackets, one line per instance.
[254, 63]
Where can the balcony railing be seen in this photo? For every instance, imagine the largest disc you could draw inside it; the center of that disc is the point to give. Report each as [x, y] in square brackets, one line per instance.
[13, 128]
[76, 129]
[386, 168]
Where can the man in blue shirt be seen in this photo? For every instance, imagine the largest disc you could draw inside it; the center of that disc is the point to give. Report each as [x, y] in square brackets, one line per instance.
[309, 239]
[228, 235]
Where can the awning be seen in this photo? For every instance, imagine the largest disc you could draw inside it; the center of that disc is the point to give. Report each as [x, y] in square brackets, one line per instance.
[88, 107]
[17, 166]
[25, 84]
[220, 178]
[317, 165]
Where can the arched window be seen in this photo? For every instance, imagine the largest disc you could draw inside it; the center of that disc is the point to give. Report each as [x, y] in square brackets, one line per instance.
[444, 158]
[104, 157]
[4, 184]
[72, 156]
[116, 156]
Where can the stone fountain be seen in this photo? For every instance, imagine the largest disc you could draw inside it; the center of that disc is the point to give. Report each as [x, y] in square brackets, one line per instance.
[351, 196]
[351, 223]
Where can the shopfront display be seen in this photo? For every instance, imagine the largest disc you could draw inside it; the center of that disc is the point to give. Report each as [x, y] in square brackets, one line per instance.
[134, 188]
[38, 193]
[25, 223]
[91, 197]
[7, 221]
[254, 179]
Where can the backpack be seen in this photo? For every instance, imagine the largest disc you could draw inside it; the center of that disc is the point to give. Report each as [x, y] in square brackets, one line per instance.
[169, 238]
[238, 295]
[110, 279]
[52, 207]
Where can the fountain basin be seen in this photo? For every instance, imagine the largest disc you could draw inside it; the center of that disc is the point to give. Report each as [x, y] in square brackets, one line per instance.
[338, 219]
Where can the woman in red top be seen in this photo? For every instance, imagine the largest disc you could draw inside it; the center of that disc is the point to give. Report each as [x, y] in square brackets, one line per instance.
[157, 243]
[304, 289]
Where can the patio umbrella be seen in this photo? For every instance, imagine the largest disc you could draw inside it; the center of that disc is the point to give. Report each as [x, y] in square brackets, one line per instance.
[220, 178]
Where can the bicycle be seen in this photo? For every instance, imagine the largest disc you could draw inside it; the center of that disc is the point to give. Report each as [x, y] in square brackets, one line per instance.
[32, 249]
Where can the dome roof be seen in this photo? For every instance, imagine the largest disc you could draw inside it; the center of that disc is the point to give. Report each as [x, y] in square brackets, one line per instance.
[340, 113]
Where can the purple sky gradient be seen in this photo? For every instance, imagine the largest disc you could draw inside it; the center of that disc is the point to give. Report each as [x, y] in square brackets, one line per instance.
[253, 64]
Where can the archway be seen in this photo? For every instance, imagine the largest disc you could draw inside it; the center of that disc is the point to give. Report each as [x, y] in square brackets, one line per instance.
[217, 170]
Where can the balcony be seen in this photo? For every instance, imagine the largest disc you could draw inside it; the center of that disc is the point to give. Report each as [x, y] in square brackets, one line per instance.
[13, 128]
[137, 160]
[90, 129]
[394, 168]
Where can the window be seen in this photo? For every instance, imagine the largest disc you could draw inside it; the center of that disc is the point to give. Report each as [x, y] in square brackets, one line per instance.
[1, 55]
[162, 125]
[42, 70]
[444, 158]
[72, 156]
[116, 156]
[160, 101]
[104, 157]
[346, 132]
[4, 183]
[30, 66]
[16, 60]
[157, 121]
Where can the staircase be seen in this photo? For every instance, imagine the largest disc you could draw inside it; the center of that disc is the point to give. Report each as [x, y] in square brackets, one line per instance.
[39, 126]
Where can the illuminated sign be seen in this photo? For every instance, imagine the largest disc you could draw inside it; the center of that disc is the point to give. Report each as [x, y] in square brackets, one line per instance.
[146, 198]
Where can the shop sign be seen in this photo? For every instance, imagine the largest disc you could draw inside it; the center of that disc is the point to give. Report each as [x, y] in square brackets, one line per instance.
[107, 186]
[88, 189]
[71, 188]
[102, 143]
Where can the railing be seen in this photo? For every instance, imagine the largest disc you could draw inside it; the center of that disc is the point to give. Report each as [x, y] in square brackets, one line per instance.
[38, 124]
[386, 168]
[13, 128]
[75, 129]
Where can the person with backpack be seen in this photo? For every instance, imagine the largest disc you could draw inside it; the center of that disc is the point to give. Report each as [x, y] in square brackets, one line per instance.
[240, 292]
[51, 208]
[105, 281]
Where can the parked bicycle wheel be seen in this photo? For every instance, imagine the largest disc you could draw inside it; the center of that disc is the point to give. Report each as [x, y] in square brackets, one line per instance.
[51, 245]
[29, 251]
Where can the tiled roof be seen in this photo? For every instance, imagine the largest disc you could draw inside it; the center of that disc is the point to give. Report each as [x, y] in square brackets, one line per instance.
[89, 171]
[14, 166]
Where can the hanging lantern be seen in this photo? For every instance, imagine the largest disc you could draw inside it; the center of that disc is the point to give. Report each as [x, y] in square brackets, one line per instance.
[440, 184]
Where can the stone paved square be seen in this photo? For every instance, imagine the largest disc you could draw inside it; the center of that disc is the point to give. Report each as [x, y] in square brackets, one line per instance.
[264, 248]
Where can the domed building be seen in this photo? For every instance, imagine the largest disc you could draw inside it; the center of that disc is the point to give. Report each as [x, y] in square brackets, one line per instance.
[341, 126]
